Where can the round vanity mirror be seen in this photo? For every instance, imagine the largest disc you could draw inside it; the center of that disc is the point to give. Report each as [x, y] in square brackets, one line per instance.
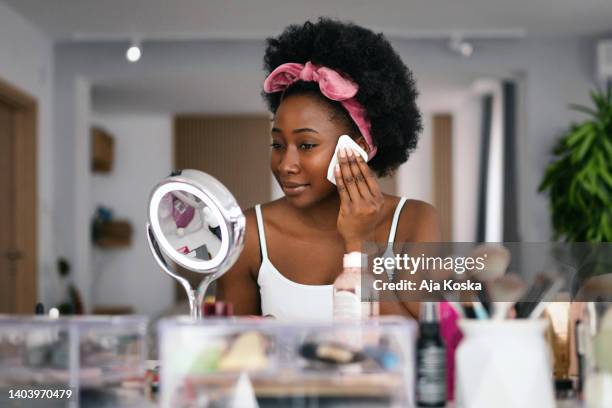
[195, 222]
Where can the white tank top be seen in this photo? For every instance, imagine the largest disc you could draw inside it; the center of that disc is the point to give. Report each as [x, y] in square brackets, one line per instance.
[288, 300]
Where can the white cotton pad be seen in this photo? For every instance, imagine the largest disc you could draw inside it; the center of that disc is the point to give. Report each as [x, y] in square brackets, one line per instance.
[343, 141]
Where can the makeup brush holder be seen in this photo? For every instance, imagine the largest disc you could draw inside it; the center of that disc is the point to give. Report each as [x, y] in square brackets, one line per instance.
[504, 364]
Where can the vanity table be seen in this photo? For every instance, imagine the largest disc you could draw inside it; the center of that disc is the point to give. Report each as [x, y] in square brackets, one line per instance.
[226, 362]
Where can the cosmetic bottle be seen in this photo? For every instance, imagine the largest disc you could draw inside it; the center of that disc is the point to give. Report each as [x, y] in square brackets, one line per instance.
[431, 359]
[370, 298]
[347, 289]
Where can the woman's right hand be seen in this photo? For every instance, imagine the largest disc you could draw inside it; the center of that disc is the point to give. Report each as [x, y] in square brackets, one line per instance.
[361, 201]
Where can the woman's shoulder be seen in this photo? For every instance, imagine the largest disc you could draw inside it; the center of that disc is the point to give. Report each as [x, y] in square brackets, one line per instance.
[268, 208]
[251, 250]
[274, 205]
[420, 208]
[413, 205]
[274, 213]
[418, 221]
[252, 238]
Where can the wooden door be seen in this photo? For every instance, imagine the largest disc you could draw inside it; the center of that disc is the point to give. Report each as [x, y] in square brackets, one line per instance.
[233, 148]
[442, 174]
[17, 201]
[7, 225]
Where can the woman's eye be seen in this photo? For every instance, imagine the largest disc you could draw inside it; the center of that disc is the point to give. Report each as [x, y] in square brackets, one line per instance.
[275, 145]
[307, 146]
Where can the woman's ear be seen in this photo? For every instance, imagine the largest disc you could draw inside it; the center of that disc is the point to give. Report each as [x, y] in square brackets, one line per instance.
[363, 144]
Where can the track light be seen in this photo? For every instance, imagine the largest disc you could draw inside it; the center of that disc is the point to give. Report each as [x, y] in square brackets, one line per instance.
[134, 52]
[461, 46]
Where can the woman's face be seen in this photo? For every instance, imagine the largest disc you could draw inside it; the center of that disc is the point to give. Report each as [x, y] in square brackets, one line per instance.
[304, 137]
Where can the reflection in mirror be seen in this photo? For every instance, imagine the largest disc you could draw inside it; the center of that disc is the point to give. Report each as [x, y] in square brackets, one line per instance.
[189, 225]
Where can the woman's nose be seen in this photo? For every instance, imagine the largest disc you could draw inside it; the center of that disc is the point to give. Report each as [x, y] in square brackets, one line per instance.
[290, 161]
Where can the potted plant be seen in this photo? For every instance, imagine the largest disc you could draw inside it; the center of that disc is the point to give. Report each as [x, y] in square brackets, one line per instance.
[579, 180]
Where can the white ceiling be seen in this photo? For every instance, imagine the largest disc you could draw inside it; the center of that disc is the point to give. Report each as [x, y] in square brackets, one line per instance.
[177, 90]
[193, 93]
[66, 20]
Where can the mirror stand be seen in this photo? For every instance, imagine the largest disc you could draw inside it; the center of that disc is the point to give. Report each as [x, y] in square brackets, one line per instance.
[195, 296]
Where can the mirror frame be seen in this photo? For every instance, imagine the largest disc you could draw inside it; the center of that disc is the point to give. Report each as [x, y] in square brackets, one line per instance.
[193, 264]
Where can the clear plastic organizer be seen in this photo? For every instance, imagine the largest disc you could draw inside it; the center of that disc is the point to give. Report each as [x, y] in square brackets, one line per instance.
[266, 363]
[74, 352]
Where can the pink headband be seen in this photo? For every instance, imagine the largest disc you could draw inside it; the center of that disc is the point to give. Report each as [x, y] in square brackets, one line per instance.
[332, 84]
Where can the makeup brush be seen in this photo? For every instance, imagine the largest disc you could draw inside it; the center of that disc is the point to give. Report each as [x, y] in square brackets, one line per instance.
[544, 287]
[547, 296]
[496, 259]
[479, 310]
[505, 292]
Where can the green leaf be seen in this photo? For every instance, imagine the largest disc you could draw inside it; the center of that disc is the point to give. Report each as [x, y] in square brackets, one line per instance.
[602, 193]
[549, 176]
[578, 134]
[599, 100]
[584, 109]
[584, 147]
[607, 177]
[572, 191]
[585, 181]
[606, 225]
[608, 147]
[604, 173]
[582, 205]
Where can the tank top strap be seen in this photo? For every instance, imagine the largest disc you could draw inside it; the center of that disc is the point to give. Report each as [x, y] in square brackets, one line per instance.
[396, 216]
[262, 235]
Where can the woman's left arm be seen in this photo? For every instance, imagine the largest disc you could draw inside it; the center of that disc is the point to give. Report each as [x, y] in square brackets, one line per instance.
[418, 223]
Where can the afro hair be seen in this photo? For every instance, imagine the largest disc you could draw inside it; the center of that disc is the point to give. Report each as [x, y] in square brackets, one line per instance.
[387, 89]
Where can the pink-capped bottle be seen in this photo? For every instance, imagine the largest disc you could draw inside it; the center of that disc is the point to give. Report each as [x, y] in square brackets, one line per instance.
[347, 289]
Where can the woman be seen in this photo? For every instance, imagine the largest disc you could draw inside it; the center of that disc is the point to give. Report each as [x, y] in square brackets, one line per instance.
[326, 79]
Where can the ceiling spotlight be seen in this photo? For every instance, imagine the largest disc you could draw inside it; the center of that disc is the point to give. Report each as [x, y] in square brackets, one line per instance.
[461, 46]
[466, 49]
[133, 53]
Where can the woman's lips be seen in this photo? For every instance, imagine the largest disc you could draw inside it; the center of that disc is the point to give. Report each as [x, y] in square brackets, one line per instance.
[294, 189]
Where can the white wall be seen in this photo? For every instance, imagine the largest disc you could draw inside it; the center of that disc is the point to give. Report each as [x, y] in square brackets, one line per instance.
[26, 61]
[415, 177]
[72, 103]
[143, 156]
[466, 159]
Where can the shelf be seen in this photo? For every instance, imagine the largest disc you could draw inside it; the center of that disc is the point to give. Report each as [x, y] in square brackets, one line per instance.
[112, 234]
